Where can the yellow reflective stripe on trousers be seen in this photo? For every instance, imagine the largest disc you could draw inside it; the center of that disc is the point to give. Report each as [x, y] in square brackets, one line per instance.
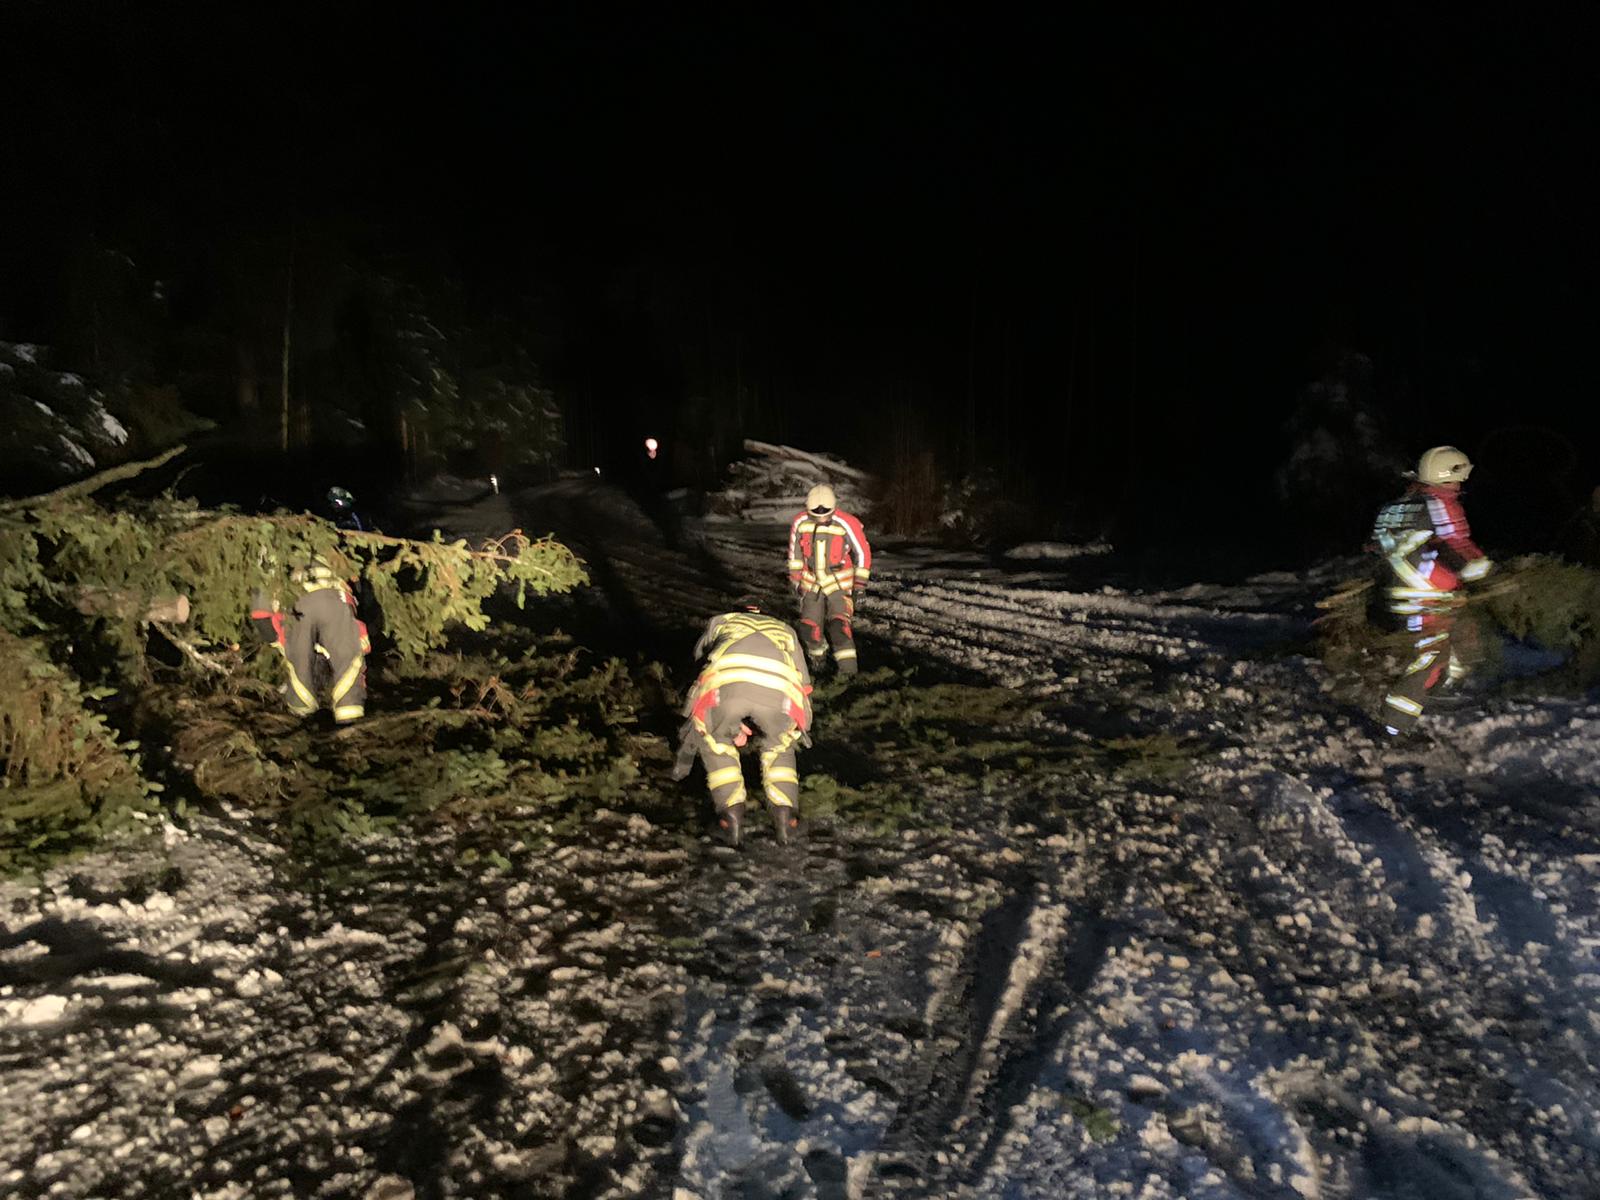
[1422, 662]
[771, 753]
[712, 744]
[777, 798]
[723, 776]
[1404, 703]
[347, 680]
[300, 690]
[782, 775]
[349, 712]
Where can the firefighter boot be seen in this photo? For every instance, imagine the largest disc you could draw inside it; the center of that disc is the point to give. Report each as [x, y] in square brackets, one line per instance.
[784, 822]
[730, 824]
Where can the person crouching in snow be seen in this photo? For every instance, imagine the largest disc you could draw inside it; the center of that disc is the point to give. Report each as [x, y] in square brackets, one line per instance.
[1429, 557]
[830, 563]
[323, 622]
[754, 685]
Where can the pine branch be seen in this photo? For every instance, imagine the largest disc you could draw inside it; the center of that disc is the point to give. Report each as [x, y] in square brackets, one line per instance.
[190, 651]
[87, 487]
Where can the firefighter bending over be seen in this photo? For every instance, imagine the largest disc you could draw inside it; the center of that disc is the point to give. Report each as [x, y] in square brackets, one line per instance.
[829, 565]
[323, 622]
[1430, 556]
[754, 685]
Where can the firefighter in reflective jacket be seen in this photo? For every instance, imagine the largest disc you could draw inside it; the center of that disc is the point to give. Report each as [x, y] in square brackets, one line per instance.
[830, 563]
[1429, 553]
[754, 684]
[323, 622]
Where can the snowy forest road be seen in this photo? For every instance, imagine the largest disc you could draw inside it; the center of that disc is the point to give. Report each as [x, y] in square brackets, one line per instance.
[1220, 946]
[1114, 900]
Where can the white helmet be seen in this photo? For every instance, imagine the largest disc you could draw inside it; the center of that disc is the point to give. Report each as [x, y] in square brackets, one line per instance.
[1443, 464]
[821, 500]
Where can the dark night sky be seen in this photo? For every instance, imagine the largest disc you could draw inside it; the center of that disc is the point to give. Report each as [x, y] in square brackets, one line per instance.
[875, 199]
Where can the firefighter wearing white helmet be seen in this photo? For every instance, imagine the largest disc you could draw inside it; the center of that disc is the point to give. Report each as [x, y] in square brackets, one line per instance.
[830, 562]
[1443, 464]
[1429, 556]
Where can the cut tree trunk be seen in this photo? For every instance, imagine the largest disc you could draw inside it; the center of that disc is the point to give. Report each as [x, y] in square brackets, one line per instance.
[168, 610]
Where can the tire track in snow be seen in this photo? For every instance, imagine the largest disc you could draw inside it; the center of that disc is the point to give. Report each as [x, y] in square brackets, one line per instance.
[1335, 944]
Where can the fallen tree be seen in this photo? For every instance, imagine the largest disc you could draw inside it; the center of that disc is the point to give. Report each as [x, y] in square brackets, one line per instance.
[83, 585]
[1545, 610]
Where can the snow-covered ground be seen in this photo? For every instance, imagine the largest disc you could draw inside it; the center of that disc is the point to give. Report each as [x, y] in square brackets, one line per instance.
[51, 421]
[1308, 967]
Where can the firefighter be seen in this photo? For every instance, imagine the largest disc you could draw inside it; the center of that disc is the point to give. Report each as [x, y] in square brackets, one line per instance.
[830, 563]
[1429, 557]
[342, 510]
[322, 623]
[753, 687]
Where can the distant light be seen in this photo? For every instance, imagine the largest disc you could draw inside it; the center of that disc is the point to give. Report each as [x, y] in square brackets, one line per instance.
[494, 482]
[651, 446]
[597, 470]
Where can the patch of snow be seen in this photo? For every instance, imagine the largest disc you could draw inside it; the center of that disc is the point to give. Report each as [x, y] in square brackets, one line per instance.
[110, 426]
[78, 456]
[41, 1010]
[1056, 551]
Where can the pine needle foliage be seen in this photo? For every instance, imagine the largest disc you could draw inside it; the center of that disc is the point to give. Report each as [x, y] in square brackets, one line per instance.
[67, 774]
[1536, 600]
[1555, 605]
[883, 737]
[533, 732]
[77, 583]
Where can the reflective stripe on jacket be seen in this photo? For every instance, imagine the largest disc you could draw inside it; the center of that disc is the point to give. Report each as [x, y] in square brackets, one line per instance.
[753, 654]
[828, 554]
[1427, 544]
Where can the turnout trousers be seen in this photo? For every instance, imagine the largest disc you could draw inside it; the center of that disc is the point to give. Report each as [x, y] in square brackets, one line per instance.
[780, 780]
[1444, 649]
[833, 612]
[325, 618]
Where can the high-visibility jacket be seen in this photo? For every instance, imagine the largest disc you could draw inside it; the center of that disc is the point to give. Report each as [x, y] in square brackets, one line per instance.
[828, 554]
[753, 667]
[1427, 545]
